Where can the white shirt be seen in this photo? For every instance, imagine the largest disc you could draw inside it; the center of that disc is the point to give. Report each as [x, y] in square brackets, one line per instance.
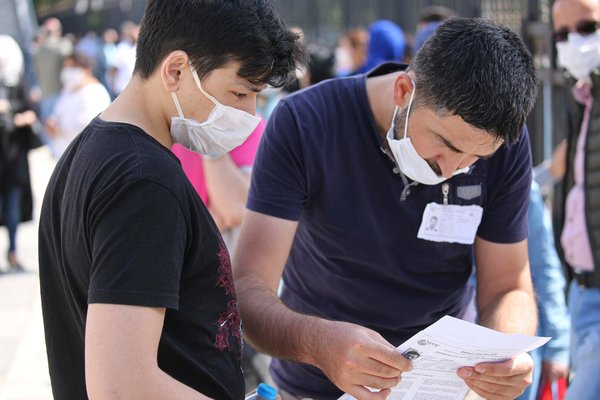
[125, 64]
[74, 111]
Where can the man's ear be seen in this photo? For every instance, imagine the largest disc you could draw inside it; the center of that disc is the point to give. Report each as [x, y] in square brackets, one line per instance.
[403, 88]
[171, 68]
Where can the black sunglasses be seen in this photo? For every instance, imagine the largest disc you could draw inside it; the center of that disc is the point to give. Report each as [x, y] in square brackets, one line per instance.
[584, 28]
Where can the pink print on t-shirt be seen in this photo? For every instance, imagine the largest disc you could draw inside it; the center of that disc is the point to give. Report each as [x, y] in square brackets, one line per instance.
[229, 323]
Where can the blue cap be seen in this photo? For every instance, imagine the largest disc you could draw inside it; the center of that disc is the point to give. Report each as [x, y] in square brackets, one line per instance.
[267, 392]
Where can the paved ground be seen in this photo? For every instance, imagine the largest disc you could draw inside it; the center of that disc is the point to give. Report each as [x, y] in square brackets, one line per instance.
[23, 365]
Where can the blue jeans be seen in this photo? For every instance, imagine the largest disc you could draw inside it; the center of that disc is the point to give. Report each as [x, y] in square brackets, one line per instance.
[531, 393]
[46, 108]
[584, 305]
[11, 209]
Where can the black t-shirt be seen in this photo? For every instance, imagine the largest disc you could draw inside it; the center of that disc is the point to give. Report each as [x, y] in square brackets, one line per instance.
[121, 224]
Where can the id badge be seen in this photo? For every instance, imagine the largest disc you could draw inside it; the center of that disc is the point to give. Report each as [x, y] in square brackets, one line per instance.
[450, 223]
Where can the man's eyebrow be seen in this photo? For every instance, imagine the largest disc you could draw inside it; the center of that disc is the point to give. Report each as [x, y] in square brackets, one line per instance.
[248, 86]
[457, 150]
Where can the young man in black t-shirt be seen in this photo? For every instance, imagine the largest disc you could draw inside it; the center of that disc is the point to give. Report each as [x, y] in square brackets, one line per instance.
[136, 284]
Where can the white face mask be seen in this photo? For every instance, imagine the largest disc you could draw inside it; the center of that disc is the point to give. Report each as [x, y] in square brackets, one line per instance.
[225, 129]
[579, 54]
[409, 161]
[72, 77]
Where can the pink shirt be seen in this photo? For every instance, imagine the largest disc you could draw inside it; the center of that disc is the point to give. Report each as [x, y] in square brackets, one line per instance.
[574, 239]
[242, 156]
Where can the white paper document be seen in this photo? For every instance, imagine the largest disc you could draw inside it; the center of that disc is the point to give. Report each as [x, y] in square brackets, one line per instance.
[439, 350]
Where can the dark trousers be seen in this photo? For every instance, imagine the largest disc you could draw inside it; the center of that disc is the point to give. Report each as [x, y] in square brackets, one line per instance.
[10, 203]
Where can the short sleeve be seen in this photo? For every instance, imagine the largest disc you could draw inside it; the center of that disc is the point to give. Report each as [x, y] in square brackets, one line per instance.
[279, 183]
[138, 241]
[505, 214]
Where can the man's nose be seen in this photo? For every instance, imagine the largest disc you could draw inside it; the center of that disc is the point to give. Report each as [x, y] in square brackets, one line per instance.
[249, 104]
[454, 163]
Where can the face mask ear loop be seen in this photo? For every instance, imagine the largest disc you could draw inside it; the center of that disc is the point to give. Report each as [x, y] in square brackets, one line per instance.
[410, 101]
[197, 80]
[177, 105]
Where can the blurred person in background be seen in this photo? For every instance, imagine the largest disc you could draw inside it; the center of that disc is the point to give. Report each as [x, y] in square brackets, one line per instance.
[91, 46]
[125, 60]
[551, 171]
[18, 135]
[351, 51]
[551, 362]
[267, 100]
[386, 44]
[577, 37]
[321, 64]
[48, 61]
[83, 97]
[110, 38]
[429, 19]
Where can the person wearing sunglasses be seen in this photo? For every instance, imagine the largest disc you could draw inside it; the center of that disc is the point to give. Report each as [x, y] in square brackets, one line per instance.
[578, 45]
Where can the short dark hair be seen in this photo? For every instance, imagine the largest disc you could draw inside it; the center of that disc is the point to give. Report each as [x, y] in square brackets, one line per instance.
[215, 33]
[480, 71]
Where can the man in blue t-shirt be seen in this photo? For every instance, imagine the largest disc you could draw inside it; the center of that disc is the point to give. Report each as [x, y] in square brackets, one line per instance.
[348, 176]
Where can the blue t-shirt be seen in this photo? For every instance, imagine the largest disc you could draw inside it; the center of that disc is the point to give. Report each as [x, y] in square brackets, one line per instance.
[356, 256]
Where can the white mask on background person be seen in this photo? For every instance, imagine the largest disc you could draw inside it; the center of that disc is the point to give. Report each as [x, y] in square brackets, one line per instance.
[72, 77]
[409, 161]
[225, 128]
[343, 61]
[580, 55]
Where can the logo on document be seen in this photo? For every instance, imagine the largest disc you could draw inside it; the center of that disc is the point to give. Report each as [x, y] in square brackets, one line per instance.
[425, 342]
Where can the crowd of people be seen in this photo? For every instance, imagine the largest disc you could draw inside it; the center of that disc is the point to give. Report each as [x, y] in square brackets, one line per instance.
[51, 90]
[214, 168]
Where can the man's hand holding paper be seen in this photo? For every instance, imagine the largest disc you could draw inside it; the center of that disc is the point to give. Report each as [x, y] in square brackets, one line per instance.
[452, 355]
[510, 377]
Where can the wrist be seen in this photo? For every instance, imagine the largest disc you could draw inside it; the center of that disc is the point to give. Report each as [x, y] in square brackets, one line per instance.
[314, 335]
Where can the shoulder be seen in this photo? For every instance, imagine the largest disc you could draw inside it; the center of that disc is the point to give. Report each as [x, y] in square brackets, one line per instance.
[111, 161]
[329, 93]
[320, 106]
[128, 150]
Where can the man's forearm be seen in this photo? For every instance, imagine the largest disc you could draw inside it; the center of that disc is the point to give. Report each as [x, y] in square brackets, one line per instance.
[275, 329]
[154, 384]
[512, 312]
[227, 187]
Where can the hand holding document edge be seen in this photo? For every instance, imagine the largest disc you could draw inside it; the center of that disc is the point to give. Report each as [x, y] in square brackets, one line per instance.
[438, 351]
